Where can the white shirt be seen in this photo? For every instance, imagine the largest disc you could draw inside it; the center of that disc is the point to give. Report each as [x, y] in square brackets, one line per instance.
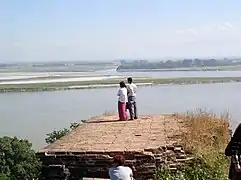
[120, 173]
[131, 88]
[122, 93]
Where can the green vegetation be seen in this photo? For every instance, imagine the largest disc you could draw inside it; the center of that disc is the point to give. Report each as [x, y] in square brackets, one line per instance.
[4, 177]
[55, 135]
[111, 82]
[17, 160]
[206, 138]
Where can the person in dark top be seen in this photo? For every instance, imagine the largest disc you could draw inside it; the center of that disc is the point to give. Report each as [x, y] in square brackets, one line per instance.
[233, 150]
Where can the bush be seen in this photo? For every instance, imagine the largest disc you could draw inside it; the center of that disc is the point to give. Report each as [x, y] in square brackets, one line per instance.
[197, 170]
[4, 177]
[17, 160]
[205, 138]
[55, 135]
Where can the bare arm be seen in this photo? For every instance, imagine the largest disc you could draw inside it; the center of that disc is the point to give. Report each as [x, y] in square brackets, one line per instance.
[119, 92]
[135, 88]
[128, 89]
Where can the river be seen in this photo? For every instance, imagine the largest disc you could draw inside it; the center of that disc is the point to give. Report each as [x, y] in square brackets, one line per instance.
[33, 115]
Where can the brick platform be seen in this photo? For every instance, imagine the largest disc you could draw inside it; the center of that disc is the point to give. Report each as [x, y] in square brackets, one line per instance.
[146, 143]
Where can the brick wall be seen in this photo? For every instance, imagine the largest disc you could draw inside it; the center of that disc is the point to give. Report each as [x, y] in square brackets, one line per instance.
[96, 165]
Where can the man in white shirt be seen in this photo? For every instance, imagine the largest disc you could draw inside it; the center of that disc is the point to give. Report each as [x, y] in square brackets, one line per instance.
[131, 93]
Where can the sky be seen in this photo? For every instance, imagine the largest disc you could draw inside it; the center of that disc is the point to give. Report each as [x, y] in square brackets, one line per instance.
[61, 30]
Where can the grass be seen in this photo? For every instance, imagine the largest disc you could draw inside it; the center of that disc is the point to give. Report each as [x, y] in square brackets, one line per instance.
[207, 132]
[109, 113]
[205, 138]
[53, 86]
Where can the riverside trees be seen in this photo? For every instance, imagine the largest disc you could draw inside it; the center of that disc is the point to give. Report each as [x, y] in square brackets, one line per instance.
[17, 160]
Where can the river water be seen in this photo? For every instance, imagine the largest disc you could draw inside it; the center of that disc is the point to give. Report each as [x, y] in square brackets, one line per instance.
[33, 115]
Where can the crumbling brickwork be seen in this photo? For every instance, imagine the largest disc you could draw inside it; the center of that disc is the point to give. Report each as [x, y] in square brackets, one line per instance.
[146, 143]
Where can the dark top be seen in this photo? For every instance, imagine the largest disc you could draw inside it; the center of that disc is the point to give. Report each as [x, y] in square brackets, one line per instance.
[233, 150]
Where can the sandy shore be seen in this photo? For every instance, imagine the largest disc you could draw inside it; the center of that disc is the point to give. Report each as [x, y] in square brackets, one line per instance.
[27, 75]
[74, 79]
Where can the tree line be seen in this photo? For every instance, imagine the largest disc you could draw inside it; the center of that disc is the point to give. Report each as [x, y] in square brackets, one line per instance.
[169, 64]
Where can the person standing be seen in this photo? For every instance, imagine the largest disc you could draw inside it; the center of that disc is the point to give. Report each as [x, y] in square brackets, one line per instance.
[131, 93]
[122, 100]
[233, 150]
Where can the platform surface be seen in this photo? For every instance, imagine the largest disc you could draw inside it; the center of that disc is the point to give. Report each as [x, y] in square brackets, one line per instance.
[107, 134]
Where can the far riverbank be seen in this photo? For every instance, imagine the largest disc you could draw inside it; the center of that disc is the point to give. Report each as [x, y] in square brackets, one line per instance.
[112, 82]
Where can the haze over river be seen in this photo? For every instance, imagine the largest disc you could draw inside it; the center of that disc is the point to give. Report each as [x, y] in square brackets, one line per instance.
[33, 115]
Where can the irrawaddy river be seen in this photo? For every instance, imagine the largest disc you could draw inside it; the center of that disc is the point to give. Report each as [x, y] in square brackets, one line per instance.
[34, 114]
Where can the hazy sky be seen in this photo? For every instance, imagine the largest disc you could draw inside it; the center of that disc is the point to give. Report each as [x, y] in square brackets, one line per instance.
[34, 30]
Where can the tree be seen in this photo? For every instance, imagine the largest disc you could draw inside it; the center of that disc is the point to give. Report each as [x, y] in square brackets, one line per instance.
[17, 160]
[55, 135]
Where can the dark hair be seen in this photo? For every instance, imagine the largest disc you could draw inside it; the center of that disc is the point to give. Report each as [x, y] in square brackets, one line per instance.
[119, 160]
[129, 79]
[122, 84]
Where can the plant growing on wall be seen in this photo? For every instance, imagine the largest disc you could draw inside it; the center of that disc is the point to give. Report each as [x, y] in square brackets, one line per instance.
[55, 135]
